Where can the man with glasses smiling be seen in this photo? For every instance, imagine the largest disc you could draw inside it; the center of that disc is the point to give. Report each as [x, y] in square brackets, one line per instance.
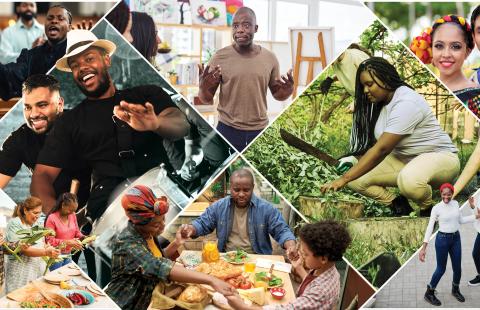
[39, 59]
[244, 71]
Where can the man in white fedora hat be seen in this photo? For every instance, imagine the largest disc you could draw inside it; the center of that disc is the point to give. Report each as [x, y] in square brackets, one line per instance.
[118, 132]
[39, 59]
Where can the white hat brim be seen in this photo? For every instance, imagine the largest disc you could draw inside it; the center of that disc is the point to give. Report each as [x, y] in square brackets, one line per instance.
[108, 46]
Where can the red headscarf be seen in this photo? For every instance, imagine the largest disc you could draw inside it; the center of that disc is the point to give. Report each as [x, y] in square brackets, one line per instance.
[141, 205]
[447, 185]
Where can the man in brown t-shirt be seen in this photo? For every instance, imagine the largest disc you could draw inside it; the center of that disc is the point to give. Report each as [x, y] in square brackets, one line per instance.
[244, 71]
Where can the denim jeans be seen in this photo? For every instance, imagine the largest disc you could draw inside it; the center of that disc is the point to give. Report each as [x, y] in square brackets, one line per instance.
[64, 262]
[447, 244]
[238, 138]
[476, 253]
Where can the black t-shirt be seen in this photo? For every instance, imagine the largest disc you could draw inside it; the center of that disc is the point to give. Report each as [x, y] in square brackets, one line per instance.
[23, 147]
[88, 131]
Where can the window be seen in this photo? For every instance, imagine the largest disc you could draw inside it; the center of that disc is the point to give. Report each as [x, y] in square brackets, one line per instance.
[289, 14]
[260, 7]
[354, 18]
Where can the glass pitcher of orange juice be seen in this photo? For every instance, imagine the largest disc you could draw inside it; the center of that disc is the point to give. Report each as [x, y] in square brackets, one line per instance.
[210, 252]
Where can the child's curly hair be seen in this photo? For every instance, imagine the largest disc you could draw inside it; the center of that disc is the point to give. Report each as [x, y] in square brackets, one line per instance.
[326, 238]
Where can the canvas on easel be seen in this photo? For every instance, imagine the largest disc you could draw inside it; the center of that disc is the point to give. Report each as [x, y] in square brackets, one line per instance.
[208, 12]
[312, 50]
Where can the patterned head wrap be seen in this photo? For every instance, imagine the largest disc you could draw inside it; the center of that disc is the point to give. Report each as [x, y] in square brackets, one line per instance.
[447, 185]
[141, 205]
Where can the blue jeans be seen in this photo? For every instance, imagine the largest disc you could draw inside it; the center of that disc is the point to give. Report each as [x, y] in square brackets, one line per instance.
[238, 138]
[66, 261]
[446, 244]
[476, 253]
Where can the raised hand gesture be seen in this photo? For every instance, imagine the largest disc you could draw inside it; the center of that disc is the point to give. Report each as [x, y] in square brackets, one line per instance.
[139, 117]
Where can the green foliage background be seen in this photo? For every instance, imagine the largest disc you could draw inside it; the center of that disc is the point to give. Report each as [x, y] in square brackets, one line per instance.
[322, 121]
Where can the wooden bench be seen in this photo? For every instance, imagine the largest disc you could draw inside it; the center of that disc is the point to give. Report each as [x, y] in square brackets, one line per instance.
[5, 106]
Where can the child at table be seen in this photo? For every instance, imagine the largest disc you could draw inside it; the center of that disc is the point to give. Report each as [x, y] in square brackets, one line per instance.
[321, 244]
[63, 220]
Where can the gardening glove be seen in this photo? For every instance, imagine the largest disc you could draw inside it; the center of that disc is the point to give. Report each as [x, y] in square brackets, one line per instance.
[345, 163]
[325, 85]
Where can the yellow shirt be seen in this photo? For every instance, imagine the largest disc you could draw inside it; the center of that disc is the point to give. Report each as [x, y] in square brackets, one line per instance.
[153, 248]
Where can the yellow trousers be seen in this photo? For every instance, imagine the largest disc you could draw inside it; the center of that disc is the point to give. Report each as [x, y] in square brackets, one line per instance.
[414, 178]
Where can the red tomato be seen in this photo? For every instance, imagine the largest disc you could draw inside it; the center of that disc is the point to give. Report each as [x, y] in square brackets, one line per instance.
[245, 285]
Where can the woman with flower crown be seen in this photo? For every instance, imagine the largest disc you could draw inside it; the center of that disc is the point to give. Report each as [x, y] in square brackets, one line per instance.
[446, 45]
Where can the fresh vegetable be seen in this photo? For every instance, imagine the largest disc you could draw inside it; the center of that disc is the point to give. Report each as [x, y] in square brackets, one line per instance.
[274, 281]
[28, 237]
[78, 299]
[50, 260]
[89, 239]
[64, 285]
[40, 303]
[86, 241]
[238, 256]
[245, 285]
[240, 282]
[261, 284]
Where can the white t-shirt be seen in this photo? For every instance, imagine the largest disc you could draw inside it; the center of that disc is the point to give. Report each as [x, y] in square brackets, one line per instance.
[409, 114]
[449, 218]
[476, 224]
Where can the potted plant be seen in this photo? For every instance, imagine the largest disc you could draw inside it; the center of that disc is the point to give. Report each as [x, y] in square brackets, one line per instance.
[172, 75]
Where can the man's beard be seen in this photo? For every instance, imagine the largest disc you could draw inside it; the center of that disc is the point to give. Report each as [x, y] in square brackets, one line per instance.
[100, 90]
[28, 16]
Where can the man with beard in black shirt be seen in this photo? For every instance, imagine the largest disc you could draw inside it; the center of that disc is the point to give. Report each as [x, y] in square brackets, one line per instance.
[39, 59]
[119, 133]
[42, 105]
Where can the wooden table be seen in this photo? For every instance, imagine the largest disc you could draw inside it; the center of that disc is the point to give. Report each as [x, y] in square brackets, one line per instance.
[102, 302]
[269, 300]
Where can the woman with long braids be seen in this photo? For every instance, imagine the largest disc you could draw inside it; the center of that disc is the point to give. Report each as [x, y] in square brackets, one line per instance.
[399, 141]
[452, 42]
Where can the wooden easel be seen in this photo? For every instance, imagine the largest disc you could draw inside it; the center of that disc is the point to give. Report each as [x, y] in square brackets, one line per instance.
[311, 61]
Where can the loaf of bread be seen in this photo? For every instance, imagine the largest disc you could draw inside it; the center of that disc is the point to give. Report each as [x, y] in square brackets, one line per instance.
[193, 294]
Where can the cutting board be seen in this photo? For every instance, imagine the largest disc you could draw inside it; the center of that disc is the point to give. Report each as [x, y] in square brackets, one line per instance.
[28, 290]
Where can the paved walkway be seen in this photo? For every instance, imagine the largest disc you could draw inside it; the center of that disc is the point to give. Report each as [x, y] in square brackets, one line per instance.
[407, 288]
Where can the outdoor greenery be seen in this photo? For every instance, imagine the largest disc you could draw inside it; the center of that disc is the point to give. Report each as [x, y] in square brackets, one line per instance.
[323, 121]
[396, 14]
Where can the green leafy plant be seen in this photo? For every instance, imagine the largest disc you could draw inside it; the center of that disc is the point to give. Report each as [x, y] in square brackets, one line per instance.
[373, 273]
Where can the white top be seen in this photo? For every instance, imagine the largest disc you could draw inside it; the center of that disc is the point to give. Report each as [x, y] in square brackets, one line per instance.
[476, 224]
[449, 218]
[17, 37]
[410, 115]
[346, 69]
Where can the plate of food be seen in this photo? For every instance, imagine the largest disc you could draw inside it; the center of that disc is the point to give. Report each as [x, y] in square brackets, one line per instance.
[56, 301]
[79, 297]
[274, 281]
[238, 257]
[220, 269]
[240, 282]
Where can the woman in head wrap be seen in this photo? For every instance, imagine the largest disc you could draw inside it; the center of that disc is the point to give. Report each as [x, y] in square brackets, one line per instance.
[138, 262]
[447, 242]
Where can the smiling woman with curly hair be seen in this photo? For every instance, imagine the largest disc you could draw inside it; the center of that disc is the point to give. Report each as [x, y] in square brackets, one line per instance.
[321, 244]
